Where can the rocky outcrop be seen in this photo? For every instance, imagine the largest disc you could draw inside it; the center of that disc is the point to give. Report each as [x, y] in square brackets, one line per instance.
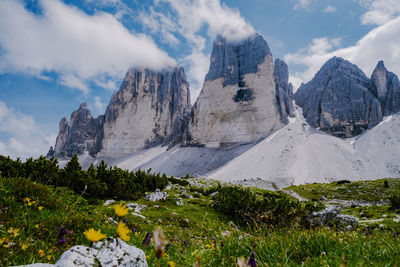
[111, 252]
[386, 87]
[82, 133]
[284, 90]
[238, 101]
[150, 108]
[338, 100]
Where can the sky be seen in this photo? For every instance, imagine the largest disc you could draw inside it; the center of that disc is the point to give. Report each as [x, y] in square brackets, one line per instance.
[55, 54]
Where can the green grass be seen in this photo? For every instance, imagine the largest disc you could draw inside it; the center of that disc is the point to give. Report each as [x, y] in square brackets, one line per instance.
[371, 191]
[196, 223]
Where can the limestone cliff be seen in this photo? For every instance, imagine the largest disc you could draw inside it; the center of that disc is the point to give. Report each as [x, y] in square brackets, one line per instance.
[284, 90]
[82, 133]
[386, 87]
[150, 108]
[238, 101]
[338, 100]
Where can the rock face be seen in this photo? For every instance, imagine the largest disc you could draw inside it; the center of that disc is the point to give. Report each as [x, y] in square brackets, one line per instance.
[386, 87]
[238, 101]
[284, 90]
[338, 100]
[150, 108]
[82, 133]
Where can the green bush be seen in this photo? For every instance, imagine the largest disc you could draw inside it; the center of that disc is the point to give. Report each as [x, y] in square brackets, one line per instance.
[395, 201]
[273, 209]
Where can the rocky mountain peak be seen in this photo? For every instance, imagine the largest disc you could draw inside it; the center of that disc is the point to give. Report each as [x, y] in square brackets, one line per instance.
[82, 133]
[284, 90]
[386, 87]
[150, 108]
[238, 102]
[233, 60]
[338, 100]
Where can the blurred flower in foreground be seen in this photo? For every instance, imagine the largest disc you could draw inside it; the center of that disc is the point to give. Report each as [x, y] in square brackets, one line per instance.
[147, 239]
[241, 262]
[93, 235]
[121, 210]
[123, 231]
[159, 241]
[252, 260]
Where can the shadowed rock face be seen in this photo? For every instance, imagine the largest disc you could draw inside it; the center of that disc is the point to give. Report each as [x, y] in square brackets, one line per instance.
[386, 87]
[82, 133]
[239, 102]
[338, 100]
[284, 90]
[150, 108]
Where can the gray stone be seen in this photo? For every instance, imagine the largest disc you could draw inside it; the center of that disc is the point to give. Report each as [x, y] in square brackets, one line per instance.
[284, 90]
[338, 100]
[156, 196]
[78, 256]
[112, 252]
[136, 207]
[179, 201]
[331, 214]
[386, 87]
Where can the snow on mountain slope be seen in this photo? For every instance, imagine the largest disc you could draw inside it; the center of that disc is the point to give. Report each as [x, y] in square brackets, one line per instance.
[295, 154]
[299, 154]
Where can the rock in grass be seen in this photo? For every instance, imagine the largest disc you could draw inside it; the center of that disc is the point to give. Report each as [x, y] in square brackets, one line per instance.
[155, 196]
[112, 252]
[331, 214]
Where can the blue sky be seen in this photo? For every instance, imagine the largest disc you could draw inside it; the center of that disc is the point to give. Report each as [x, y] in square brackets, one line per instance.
[55, 54]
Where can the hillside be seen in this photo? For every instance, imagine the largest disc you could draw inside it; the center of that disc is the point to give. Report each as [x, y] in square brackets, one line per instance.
[31, 224]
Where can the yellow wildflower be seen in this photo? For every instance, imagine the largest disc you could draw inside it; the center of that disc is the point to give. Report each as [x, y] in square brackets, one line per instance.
[36, 226]
[195, 252]
[171, 264]
[147, 257]
[24, 246]
[123, 231]
[13, 231]
[48, 257]
[3, 240]
[93, 235]
[41, 253]
[27, 199]
[40, 208]
[121, 210]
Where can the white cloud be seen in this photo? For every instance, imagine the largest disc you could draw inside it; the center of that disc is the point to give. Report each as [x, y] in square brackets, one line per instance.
[381, 43]
[188, 19]
[329, 9]
[302, 4]
[72, 43]
[379, 11]
[99, 105]
[26, 140]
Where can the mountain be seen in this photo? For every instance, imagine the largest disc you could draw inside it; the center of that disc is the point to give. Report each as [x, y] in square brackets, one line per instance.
[238, 102]
[150, 108]
[386, 87]
[82, 133]
[342, 101]
[337, 100]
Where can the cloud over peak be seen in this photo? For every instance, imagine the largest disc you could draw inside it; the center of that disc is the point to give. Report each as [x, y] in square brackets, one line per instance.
[77, 46]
